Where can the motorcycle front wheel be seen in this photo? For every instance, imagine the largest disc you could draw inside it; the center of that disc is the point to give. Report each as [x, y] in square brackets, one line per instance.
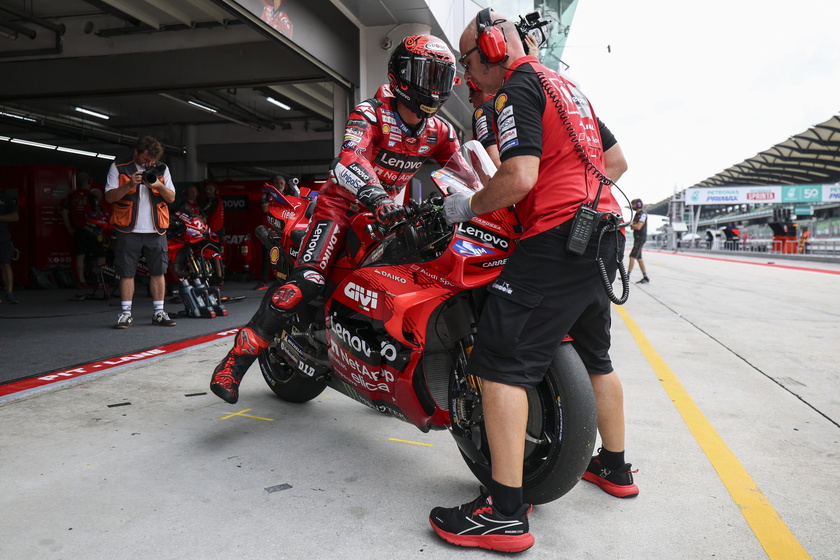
[287, 382]
[561, 429]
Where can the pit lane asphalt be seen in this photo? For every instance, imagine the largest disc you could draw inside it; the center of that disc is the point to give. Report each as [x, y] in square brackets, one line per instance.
[730, 377]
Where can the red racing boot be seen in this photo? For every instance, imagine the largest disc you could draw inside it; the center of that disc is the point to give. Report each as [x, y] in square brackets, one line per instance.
[229, 373]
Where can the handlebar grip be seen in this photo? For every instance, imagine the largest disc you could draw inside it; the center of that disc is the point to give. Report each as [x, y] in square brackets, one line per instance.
[412, 208]
[264, 236]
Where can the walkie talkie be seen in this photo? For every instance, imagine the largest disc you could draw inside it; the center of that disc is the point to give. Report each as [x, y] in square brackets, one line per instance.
[583, 225]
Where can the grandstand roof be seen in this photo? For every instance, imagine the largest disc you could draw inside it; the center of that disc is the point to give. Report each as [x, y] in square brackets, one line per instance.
[812, 157]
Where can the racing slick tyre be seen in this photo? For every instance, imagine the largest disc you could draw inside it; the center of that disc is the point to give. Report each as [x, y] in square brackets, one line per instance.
[188, 265]
[561, 429]
[287, 382]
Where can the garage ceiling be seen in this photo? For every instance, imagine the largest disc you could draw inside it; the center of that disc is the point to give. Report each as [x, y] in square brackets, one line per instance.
[189, 72]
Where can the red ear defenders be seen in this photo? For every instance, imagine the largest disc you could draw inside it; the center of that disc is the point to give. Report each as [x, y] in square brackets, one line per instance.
[491, 43]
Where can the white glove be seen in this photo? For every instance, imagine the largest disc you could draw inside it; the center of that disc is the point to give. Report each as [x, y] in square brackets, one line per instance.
[456, 207]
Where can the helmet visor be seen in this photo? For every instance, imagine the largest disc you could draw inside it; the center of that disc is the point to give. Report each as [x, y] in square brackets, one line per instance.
[428, 75]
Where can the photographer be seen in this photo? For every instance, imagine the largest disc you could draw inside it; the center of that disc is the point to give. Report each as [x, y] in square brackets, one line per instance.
[139, 192]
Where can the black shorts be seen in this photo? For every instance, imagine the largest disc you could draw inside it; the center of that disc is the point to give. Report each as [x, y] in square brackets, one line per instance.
[85, 243]
[131, 245]
[542, 294]
[6, 249]
[636, 251]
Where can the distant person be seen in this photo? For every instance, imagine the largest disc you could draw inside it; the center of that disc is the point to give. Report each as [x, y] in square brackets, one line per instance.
[190, 205]
[80, 203]
[8, 214]
[214, 213]
[213, 210]
[639, 227]
[140, 215]
[803, 240]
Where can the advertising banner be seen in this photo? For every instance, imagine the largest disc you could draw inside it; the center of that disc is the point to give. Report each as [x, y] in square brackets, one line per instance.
[763, 194]
[317, 26]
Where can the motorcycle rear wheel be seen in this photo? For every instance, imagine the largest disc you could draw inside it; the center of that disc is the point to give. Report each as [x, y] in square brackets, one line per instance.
[287, 382]
[188, 265]
[561, 430]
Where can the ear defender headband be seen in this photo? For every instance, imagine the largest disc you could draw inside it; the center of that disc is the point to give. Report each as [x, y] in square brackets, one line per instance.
[491, 43]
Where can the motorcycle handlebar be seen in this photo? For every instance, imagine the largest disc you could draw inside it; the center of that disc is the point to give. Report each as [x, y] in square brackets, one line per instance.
[264, 236]
[412, 210]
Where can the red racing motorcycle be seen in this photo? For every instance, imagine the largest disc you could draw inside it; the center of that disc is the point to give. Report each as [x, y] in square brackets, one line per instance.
[396, 325]
[194, 251]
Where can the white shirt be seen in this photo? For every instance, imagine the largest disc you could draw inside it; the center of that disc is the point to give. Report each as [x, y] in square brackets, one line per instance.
[145, 222]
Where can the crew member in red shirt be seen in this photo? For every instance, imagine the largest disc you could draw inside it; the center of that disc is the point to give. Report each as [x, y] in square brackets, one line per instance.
[74, 215]
[552, 163]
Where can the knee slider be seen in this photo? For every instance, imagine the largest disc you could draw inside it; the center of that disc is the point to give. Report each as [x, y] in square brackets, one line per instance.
[302, 288]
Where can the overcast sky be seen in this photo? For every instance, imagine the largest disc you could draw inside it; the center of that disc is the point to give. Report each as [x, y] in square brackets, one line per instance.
[690, 89]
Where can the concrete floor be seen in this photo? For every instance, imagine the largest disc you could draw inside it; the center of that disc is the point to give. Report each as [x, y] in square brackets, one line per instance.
[731, 389]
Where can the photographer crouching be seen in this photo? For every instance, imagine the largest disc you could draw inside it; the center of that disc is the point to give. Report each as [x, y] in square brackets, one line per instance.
[139, 193]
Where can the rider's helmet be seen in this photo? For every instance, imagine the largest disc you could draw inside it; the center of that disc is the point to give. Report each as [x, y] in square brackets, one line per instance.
[422, 72]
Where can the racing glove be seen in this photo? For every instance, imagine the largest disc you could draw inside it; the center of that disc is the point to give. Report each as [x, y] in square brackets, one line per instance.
[456, 207]
[385, 211]
[388, 213]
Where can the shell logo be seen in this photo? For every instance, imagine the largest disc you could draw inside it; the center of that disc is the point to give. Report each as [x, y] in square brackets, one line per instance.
[500, 102]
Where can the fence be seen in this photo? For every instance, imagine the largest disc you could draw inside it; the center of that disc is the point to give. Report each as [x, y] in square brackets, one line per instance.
[813, 247]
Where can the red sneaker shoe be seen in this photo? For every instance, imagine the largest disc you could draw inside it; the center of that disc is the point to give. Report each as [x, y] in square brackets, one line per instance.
[479, 524]
[616, 482]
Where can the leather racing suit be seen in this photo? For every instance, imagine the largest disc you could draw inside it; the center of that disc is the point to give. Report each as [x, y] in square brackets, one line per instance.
[379, 156]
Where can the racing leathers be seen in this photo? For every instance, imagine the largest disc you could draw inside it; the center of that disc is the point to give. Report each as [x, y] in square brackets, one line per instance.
[379, 156]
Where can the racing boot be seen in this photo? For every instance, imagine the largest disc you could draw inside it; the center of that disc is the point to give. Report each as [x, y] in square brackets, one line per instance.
[229, 373]
[275, 309]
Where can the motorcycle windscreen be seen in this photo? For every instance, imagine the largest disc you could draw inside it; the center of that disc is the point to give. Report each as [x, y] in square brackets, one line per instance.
[459, 175]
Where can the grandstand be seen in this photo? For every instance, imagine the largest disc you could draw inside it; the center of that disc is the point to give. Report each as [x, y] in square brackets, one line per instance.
[770, 199]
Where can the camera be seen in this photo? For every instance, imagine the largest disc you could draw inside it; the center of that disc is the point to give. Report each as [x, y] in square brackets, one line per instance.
[152, 172]
[532, 24]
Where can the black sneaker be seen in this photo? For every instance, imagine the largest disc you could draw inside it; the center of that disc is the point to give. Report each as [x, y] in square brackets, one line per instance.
[162, 319]
[124, 320]
[644, 280]
[478, 524]
[616, 482]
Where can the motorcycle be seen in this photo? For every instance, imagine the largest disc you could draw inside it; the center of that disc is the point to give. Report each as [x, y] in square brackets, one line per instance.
[194, 251]
[395, 327]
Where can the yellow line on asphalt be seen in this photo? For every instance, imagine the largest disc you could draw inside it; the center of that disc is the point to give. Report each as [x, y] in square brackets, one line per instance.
[411, 442]
[772, 533]
[242, 413]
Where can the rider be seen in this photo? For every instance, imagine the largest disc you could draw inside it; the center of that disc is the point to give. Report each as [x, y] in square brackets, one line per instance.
[386, 140]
